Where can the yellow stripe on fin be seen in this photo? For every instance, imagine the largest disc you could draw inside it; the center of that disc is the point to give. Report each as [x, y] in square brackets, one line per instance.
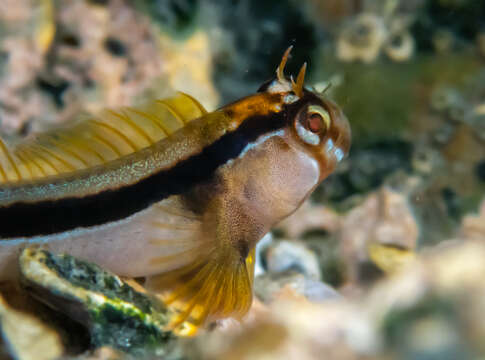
[97, 139]
[215, 286]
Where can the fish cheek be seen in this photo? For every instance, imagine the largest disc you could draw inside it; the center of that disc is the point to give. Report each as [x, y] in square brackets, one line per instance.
[278, 177]
[293, 173]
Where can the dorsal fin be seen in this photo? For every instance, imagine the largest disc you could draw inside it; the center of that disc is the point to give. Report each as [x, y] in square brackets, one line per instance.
[96, 139]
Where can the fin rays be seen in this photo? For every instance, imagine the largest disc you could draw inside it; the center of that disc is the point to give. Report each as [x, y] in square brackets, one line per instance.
[216, 285]
[172, 111]
[117, 132]
[96, 140]
[164, 225]
[177, 212]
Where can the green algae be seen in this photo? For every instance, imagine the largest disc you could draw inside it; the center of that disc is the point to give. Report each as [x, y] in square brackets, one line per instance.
[91, 277]
[114, 313]
[127, 329]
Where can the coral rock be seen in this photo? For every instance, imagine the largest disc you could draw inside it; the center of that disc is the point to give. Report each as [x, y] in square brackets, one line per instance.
[384, 218]
[288, 255]
[115, 314]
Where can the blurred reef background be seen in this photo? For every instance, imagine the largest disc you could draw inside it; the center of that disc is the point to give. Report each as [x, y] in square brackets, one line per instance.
[385, 261]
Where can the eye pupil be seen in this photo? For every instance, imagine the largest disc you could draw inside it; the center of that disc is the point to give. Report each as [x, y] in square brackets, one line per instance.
[315, 123]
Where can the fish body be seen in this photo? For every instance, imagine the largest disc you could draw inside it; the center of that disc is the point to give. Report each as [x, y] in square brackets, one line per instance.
[171, 192]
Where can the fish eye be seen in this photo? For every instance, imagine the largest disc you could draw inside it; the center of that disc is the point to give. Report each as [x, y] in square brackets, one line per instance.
[314, 125]
[318, 119]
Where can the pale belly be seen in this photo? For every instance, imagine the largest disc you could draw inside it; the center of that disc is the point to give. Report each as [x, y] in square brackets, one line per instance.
[129, 247]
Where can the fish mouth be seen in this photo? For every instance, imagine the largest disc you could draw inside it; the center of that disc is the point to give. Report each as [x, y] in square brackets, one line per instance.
[345, 138]
[339, 146]
[335, 149]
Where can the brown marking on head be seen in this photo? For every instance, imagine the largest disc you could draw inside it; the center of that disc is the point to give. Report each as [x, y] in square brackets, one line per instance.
[258, 105]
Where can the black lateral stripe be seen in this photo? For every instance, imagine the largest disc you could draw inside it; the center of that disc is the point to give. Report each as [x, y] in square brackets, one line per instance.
[50, 217]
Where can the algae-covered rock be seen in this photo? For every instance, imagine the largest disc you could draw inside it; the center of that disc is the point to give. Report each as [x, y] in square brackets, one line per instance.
[115, 314]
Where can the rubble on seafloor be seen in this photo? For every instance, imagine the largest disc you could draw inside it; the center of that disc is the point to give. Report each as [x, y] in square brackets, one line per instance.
[113, 313]
[374, 236]
[384, 219]
[26, 337]
[430, 307]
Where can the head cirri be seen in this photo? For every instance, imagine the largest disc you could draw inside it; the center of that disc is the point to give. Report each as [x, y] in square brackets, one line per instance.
[317, 124]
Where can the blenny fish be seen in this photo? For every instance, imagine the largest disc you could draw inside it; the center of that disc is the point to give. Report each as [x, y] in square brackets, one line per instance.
[172, 193]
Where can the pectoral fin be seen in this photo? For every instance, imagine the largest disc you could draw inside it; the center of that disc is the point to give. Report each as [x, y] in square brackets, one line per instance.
[217, 285]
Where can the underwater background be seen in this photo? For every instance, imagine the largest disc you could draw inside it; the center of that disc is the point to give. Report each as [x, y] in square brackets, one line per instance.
[386, 260]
